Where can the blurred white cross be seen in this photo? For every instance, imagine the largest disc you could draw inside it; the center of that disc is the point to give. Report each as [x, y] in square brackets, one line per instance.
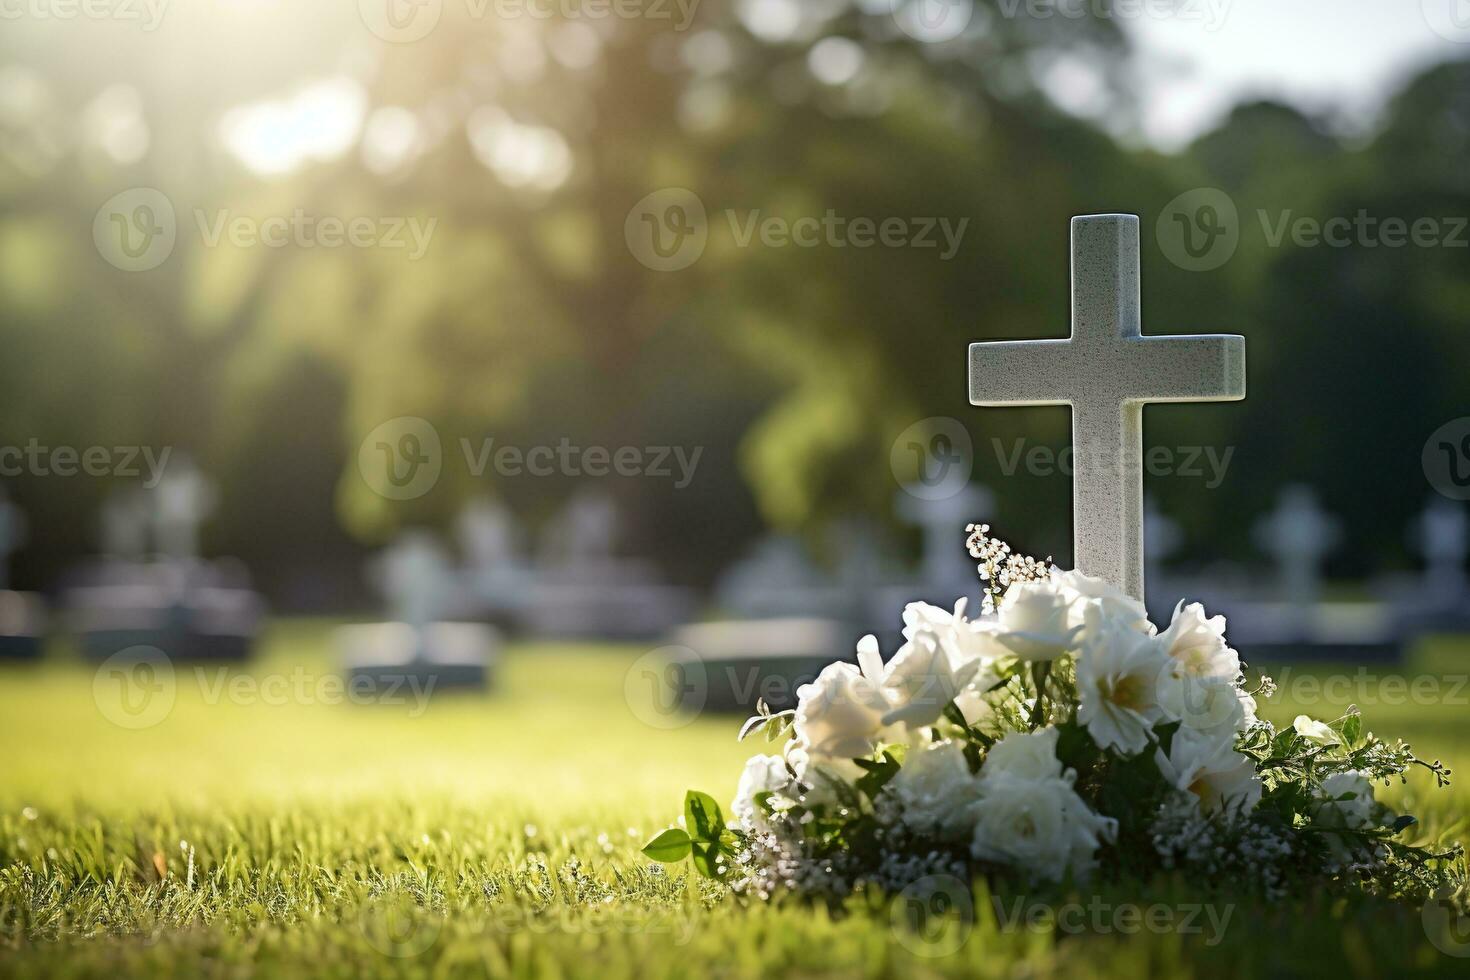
[1106, 371]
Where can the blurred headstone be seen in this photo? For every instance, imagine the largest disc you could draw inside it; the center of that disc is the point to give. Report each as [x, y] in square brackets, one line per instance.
[739, 662]
[153, 589]
[778, 579]
[182, 501]
[1161, 540]
[496, 578]
[946, 570]
[22, 614]
[583, 589]
[418, 647]
[125, 521]
[1293, 623]
[1439, 602]
[1298, 535]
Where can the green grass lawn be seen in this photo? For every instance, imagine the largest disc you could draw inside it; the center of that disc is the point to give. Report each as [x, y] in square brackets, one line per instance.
[500, 835]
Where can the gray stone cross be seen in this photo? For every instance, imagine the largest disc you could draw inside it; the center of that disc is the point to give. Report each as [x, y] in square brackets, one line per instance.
[1106, 371]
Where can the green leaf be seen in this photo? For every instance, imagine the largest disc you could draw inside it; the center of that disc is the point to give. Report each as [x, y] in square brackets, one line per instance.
[706, 860]
[669, 847]
[1403, 823]
[878, 774]
[1352, 727]
[702, 816]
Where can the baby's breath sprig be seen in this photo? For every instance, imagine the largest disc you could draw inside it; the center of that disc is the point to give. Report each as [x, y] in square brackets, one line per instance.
[999, 567]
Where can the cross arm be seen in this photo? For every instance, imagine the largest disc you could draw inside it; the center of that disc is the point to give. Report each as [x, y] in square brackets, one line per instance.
[1017, 372]
[1191, 368]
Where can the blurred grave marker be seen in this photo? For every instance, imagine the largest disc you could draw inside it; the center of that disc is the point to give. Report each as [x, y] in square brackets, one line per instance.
[165, 597]
[418, 647]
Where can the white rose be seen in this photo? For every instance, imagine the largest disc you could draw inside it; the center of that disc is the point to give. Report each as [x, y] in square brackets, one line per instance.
[1315, 731]
[1028, 755]
[1036, 621]
[936, 791]
[920, 681]
[1208, 704]
[763, 774]
[1040, 827]
[1224, 780]
[840, 714]
[1356, 811]
[965, 640]
[1196, 645]
[1118, 674]
[1084, 591]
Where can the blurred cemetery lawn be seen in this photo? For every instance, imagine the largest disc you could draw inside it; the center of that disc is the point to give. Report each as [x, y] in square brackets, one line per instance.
[500, 834]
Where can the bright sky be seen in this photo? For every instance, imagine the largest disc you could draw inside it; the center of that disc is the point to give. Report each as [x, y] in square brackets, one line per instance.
[1318, 54]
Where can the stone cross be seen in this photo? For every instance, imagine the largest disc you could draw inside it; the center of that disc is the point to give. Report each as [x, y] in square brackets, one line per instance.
[1106, 371]
[183, 499]
[1443, 533]
[1299, 535]
[125, 525]
[944, 561]
[417, 578]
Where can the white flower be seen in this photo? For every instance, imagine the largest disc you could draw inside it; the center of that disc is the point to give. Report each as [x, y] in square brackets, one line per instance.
[1356, 810]
[1117, 685]
[763, 774]
[1036, 621]
[1084, 591]
[1208, 704]
[1041, 827]
[1224, 780]
[920, 681]
[965, 640]
[936, 791]
[1315, 731]
[1028, 755]
[1196, 646]
[840, 714]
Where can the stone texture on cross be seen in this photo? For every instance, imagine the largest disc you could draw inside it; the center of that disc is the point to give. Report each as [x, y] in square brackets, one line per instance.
[1106, 371]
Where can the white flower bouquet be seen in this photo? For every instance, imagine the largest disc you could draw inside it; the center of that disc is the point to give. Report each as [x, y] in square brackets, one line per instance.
[1057, 736]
